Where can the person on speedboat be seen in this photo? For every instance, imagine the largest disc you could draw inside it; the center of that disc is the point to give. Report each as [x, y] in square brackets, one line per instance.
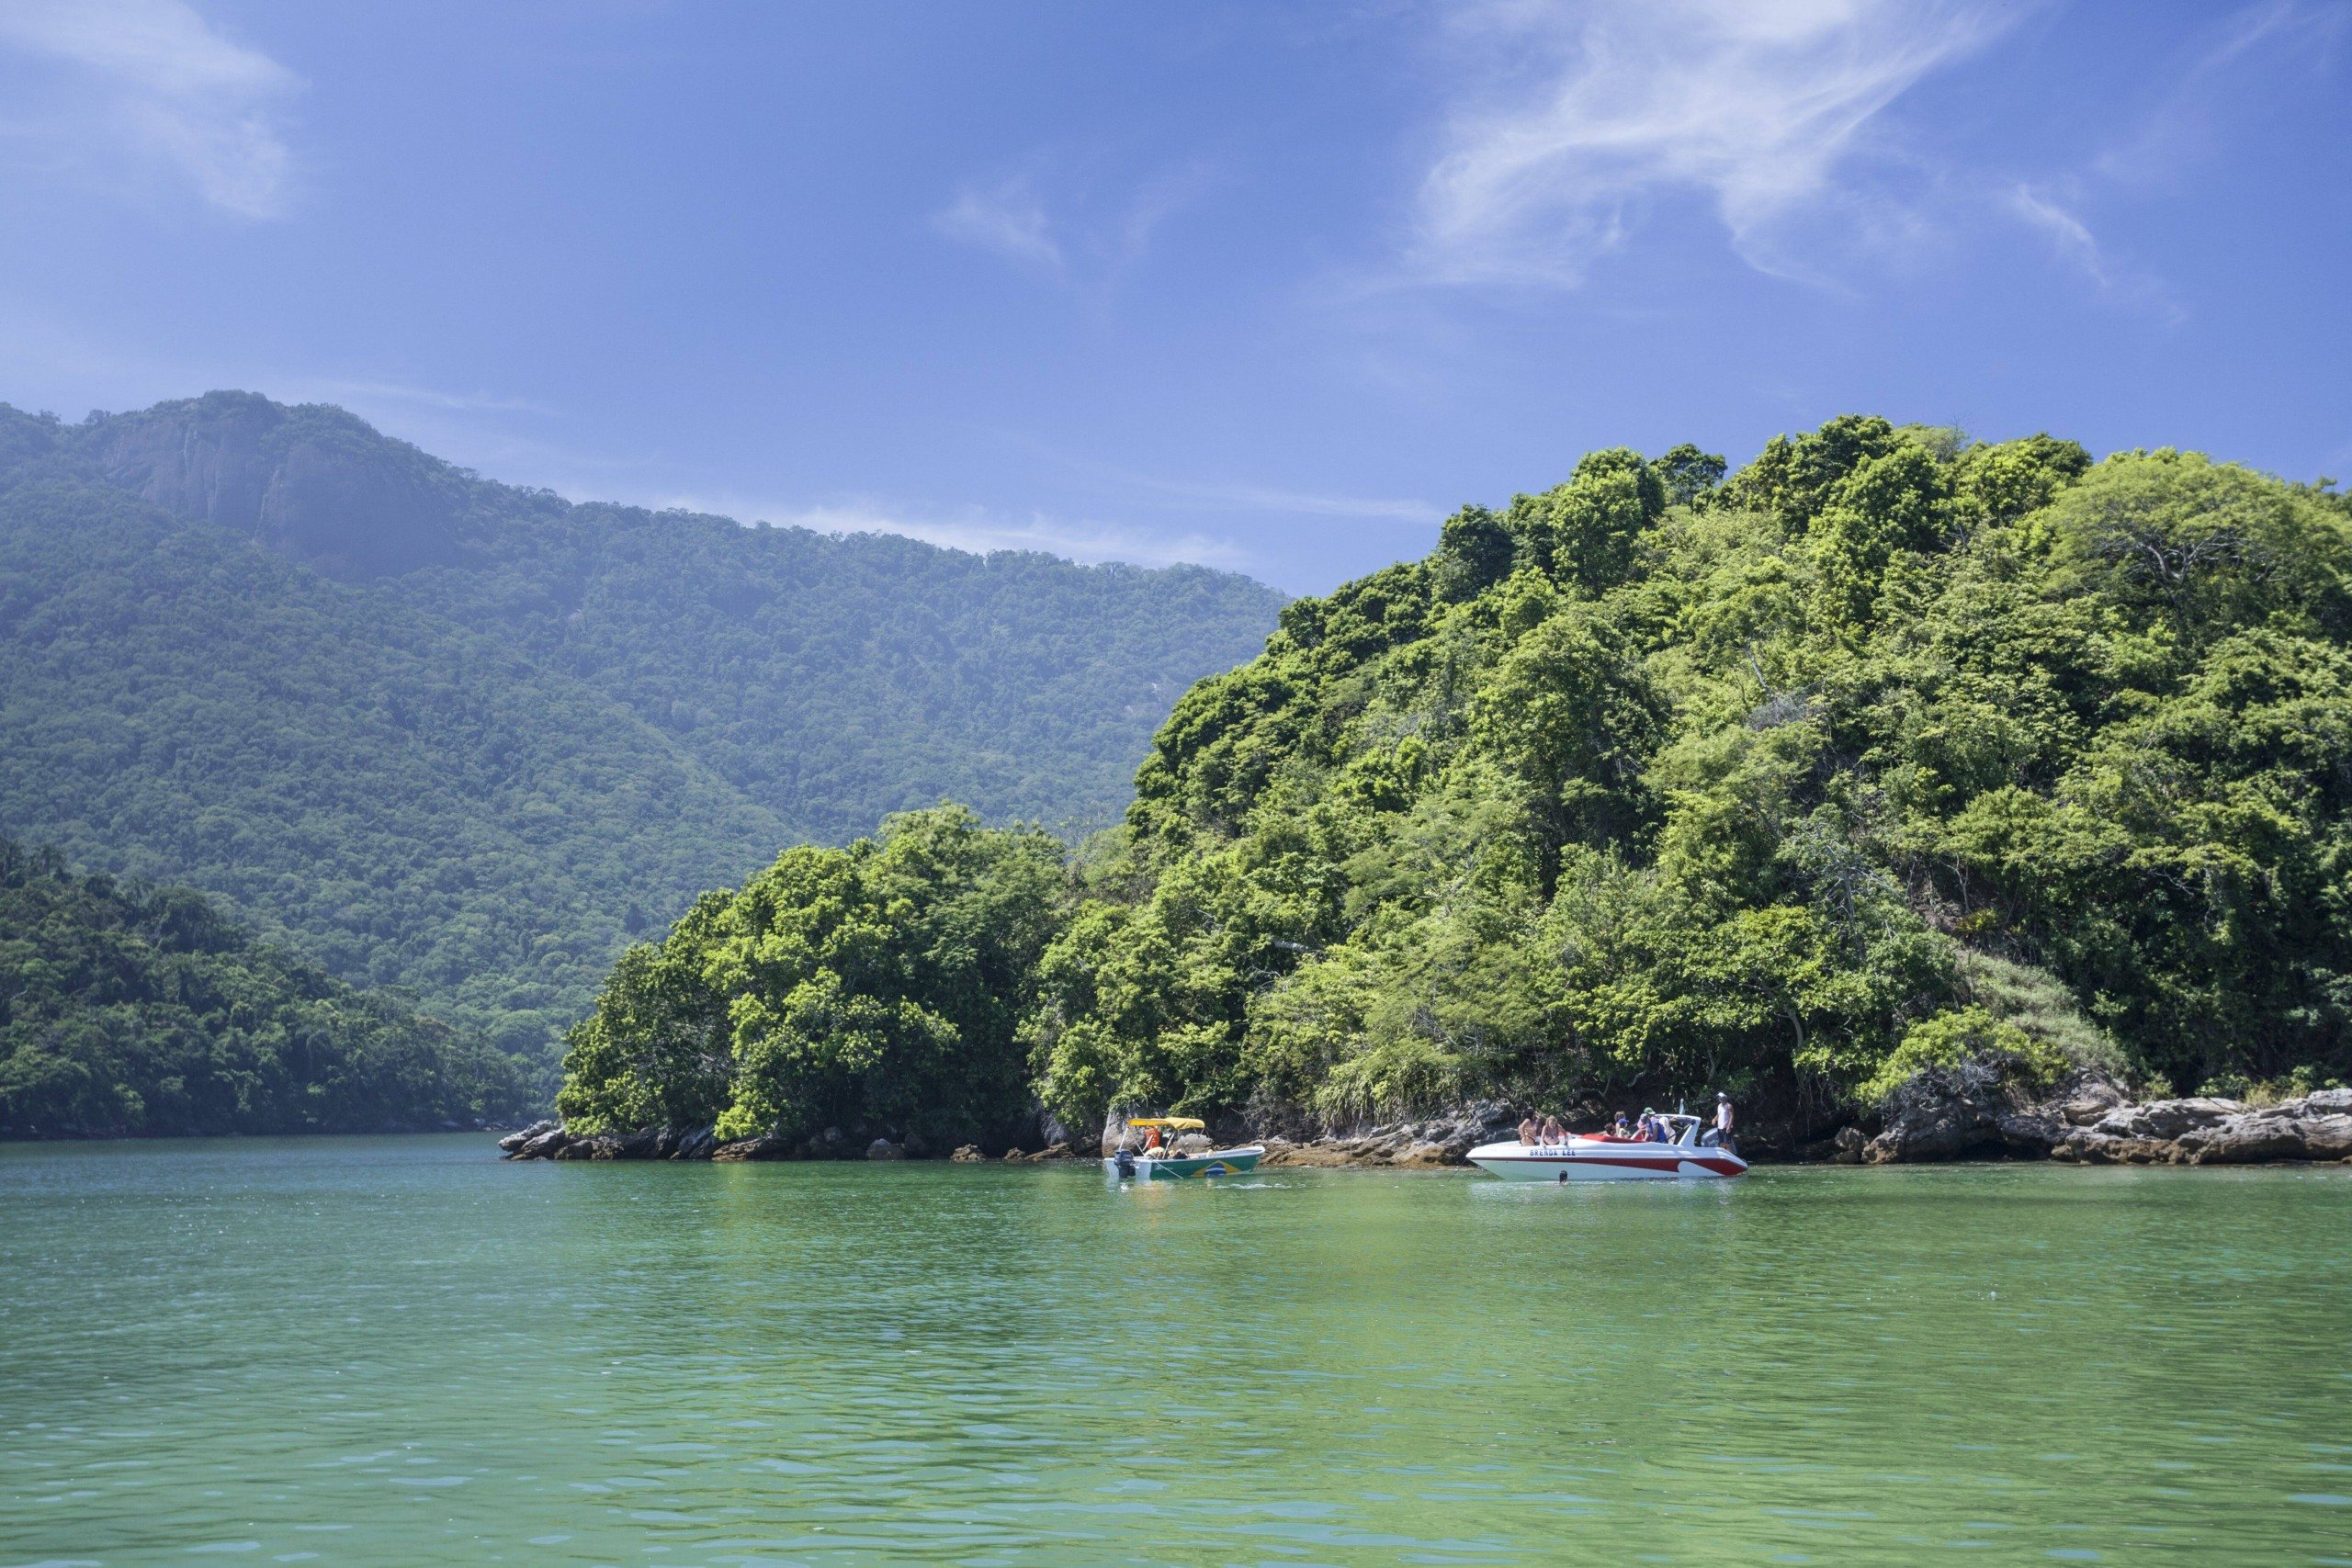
[1552, 1132]
[1621, 1129]
[1719, 1135]
[1531, 1131]
[1653, 1130]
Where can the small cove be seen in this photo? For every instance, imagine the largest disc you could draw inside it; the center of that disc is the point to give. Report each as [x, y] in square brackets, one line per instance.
[386, 1351]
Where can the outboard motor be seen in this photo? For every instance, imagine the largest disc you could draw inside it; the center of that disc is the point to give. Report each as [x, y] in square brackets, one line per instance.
[1124, 1163]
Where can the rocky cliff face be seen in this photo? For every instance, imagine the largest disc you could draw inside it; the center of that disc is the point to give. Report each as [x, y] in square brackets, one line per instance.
[2214, 1131]
[1953, 1114]
[314, 484]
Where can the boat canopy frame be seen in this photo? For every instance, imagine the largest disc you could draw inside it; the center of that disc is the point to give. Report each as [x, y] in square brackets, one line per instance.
[1177, 1124]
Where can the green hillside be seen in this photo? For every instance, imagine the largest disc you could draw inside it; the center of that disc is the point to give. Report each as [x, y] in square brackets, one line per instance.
[830, 679]
[466, 739]
[1892, 751]
[126, 1009]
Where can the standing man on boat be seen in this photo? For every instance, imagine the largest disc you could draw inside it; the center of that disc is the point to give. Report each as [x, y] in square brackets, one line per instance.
[1719, 1136]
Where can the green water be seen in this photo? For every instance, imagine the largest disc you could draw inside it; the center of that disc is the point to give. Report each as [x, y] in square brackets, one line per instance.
[389, 1350]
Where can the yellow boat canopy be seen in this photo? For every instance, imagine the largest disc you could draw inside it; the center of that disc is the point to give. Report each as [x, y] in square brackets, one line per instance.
[1180, 1123]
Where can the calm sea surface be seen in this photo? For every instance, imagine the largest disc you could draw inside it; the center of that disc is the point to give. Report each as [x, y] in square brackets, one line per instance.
[398, 1351]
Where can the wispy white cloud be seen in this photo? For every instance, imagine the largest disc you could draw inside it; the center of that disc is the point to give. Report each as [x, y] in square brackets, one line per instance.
[153, 78]
[981, 531]
[1229, 496]
[403, 392]
[1004, 218]
[2067, 232]
[1571, 117]
[1148, 207]
[2055, 210]
[1092, 229]
[1304, 504]
[2175, 131]
[2178, 129]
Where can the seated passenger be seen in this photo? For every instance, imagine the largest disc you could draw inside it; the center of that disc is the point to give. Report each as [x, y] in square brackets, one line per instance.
[1622, 1128]
[1530, 1130]
[1651, 1132]
[1552, 1132]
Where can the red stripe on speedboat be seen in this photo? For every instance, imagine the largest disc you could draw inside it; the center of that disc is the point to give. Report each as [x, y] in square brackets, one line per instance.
[1719, 1167]
[1592, 1159]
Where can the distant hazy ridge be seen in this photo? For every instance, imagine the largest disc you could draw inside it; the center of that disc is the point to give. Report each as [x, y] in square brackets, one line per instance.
[467, 738]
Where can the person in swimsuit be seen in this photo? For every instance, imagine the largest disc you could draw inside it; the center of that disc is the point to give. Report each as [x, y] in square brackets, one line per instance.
[1530, 1130]
[1552, 1132]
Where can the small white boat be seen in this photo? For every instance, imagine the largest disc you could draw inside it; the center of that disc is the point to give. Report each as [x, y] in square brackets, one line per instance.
[1158, 1163]
[1600, 1157]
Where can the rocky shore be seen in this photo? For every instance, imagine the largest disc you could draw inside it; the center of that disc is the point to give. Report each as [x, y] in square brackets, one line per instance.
[1441, 1140]
[1962, 1114]
[1970, 1113]
[552, 1140]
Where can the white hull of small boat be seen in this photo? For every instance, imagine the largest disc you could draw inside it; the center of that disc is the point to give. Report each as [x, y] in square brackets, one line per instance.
[1606, 1159]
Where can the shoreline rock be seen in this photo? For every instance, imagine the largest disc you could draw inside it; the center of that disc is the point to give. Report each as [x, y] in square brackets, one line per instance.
[1963, 1113]
[2312, 1130]
[1968, 1111]
[552, 1140]
[1436, 1141]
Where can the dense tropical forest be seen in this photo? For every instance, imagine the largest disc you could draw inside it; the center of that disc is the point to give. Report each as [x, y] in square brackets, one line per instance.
[468, 739]
[128, 1009]
[1890, 750]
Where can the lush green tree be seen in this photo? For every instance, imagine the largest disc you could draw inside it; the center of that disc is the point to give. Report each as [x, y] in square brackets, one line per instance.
[128, 1008]
[1889, 753]
[1752, 783]
[879, 986]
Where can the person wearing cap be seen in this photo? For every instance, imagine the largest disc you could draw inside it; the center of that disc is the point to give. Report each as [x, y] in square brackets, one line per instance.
[1719, 1135]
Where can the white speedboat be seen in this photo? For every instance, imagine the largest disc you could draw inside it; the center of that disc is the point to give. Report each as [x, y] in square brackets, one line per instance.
[1158, 1163]
[1600, 1158]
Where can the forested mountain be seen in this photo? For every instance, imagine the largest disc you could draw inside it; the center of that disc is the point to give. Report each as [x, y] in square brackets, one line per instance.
[126, 1009]
[1892, 751]
[466, 738]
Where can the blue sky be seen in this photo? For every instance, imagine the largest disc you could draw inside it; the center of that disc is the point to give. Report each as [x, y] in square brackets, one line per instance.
[1268, 287]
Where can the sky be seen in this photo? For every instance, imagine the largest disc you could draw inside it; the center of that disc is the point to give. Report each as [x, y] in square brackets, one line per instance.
[1272, 287]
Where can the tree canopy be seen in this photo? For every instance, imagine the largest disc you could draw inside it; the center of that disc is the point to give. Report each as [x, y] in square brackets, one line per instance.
[1889, 748]
[882, 986]
[128, 1008]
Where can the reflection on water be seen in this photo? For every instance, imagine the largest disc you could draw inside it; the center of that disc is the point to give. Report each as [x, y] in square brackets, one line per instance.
[398, 1350]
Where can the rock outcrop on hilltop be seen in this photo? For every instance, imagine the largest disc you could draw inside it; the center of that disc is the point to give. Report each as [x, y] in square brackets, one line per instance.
[314, 484]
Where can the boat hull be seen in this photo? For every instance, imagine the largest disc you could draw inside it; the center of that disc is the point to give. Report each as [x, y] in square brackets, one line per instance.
[1597, 1161]
[1216, 1162]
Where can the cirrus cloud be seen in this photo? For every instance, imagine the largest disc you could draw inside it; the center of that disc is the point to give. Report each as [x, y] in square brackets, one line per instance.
[1573, 118]
[154, 80]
